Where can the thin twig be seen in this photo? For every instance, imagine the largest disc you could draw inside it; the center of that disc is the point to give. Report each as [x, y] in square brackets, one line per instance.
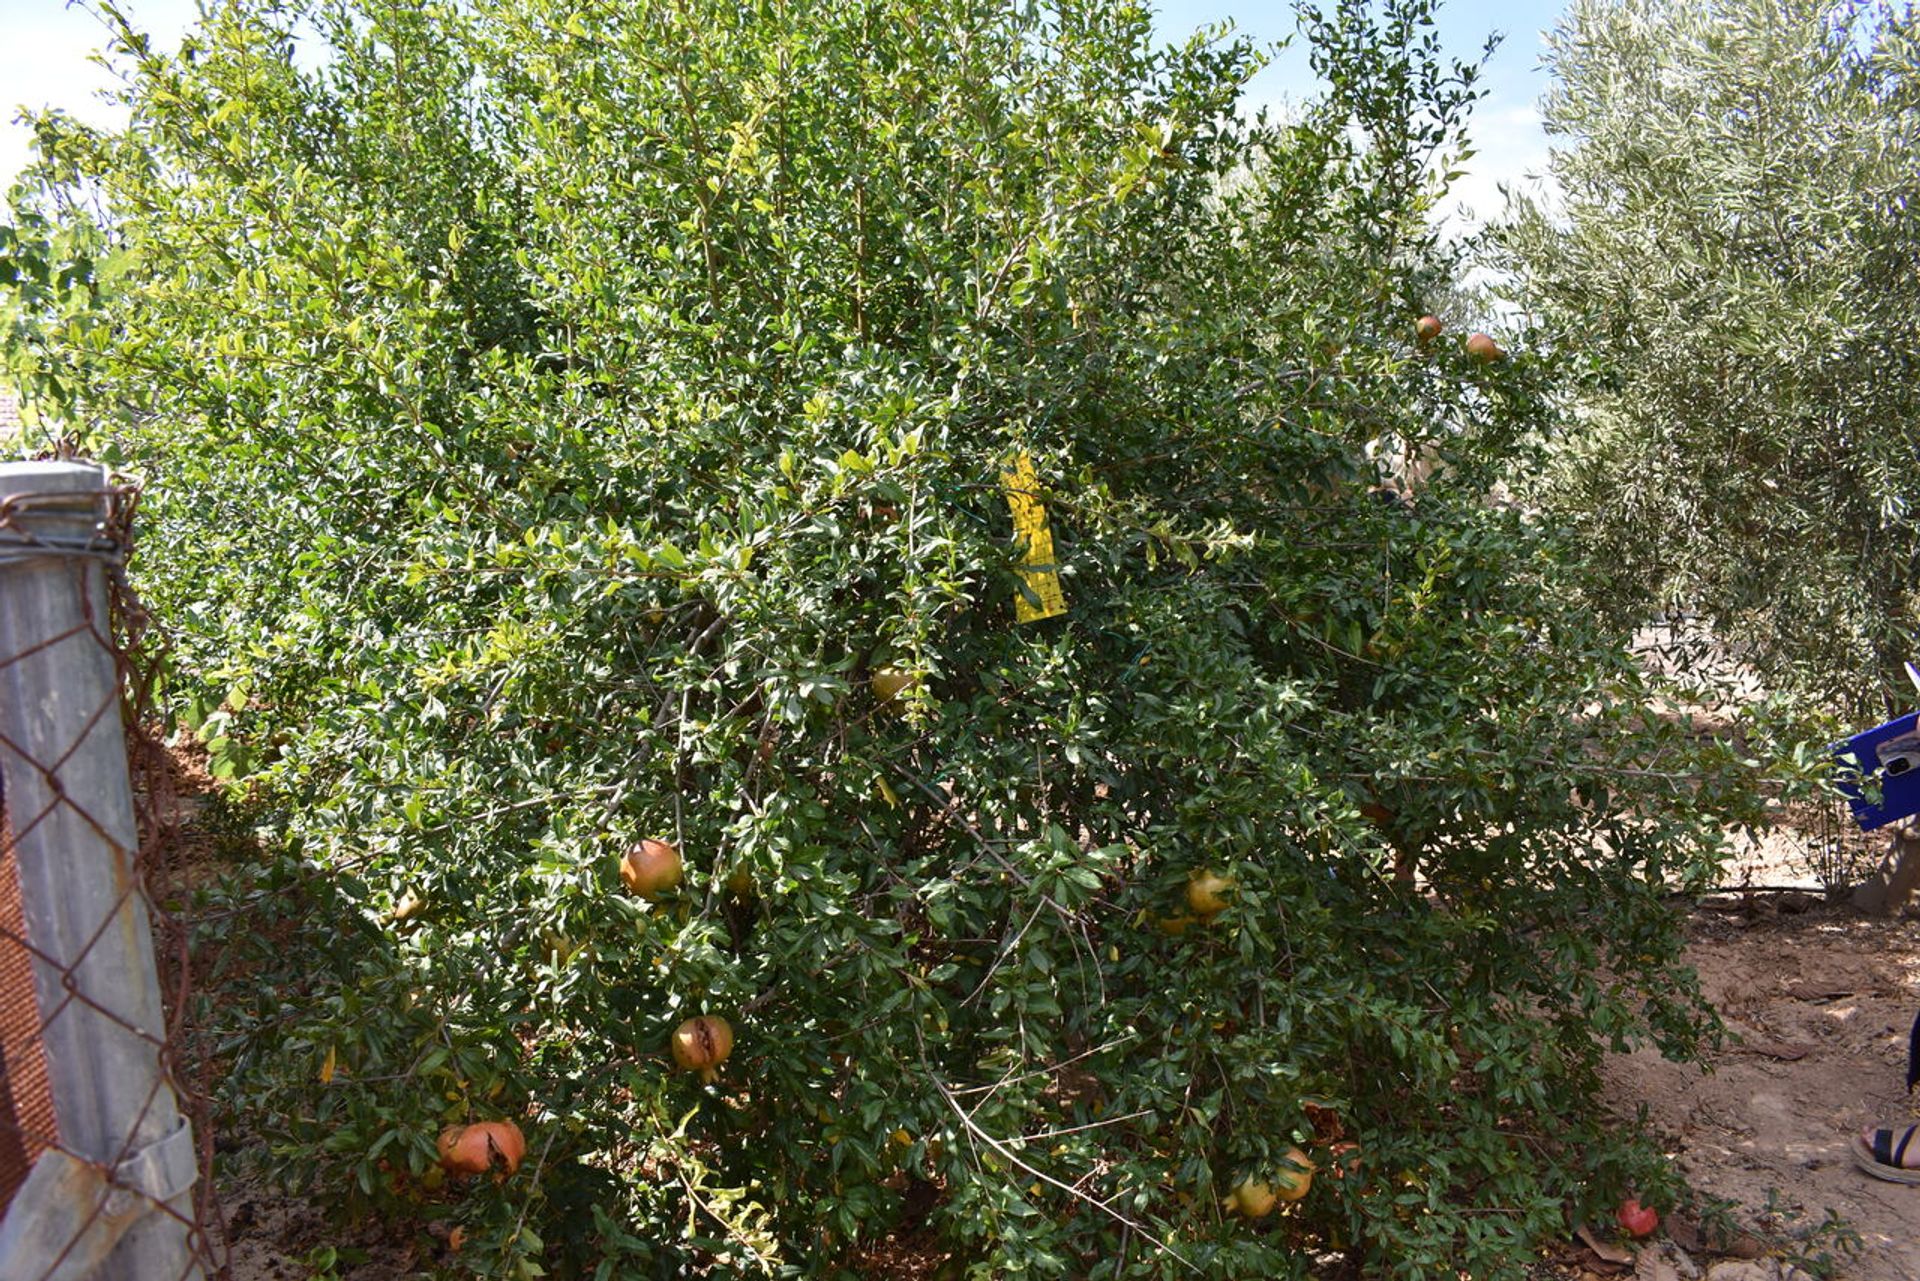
[1002, 1151]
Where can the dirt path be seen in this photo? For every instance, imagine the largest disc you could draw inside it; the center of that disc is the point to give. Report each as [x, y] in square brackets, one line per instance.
[1822, 999]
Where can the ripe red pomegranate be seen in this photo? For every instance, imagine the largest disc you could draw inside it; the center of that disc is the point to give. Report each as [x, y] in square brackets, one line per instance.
[477, 1148]
[651, 868]
[1636, 1220]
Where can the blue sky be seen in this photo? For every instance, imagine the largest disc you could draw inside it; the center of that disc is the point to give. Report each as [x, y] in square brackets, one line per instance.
[44, 47]
[1506, 131]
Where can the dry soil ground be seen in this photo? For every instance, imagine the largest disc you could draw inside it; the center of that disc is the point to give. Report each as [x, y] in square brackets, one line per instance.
[1821, 998]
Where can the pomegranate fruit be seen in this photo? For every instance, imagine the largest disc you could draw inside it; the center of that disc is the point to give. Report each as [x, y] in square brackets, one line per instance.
[651, 868]
[1175, 926]
[1427, 328]
[1253, 1198]
[1206, 892]
[1484, 349]
[891, 682]
[1636, 1220]
[1295, 1177]
[476, 1149]
[702, 1044]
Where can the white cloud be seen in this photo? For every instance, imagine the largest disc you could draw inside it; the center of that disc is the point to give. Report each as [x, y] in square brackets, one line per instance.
[1510, 150]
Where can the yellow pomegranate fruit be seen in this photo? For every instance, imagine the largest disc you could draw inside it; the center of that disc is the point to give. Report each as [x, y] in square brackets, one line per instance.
[1295, 1178]
[1484, 349]
[891, 682]
[651, 868]
[1175, 926]
[478, 1148]
[1253, 1198]
[1206, 892]
[702, 1044]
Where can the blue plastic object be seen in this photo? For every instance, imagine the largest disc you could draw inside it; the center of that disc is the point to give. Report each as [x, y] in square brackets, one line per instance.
[1880, 772]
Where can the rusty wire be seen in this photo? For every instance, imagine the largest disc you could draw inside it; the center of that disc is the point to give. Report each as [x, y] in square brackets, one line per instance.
[30, 1127]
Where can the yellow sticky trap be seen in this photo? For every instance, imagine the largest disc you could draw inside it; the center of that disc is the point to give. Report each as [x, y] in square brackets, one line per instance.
[1042, 597]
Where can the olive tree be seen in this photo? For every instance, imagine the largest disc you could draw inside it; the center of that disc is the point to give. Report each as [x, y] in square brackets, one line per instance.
[579, 423]
[1730, 250]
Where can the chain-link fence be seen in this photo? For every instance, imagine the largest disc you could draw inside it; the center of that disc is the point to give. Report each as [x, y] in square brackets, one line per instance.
[100, 1172]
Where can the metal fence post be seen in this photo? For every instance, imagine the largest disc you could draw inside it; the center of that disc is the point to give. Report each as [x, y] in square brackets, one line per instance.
[63, 756]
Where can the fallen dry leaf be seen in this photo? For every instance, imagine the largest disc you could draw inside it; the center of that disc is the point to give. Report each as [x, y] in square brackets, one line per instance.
[1606, 1250]
[1682, 1232]
[1653, 1266]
